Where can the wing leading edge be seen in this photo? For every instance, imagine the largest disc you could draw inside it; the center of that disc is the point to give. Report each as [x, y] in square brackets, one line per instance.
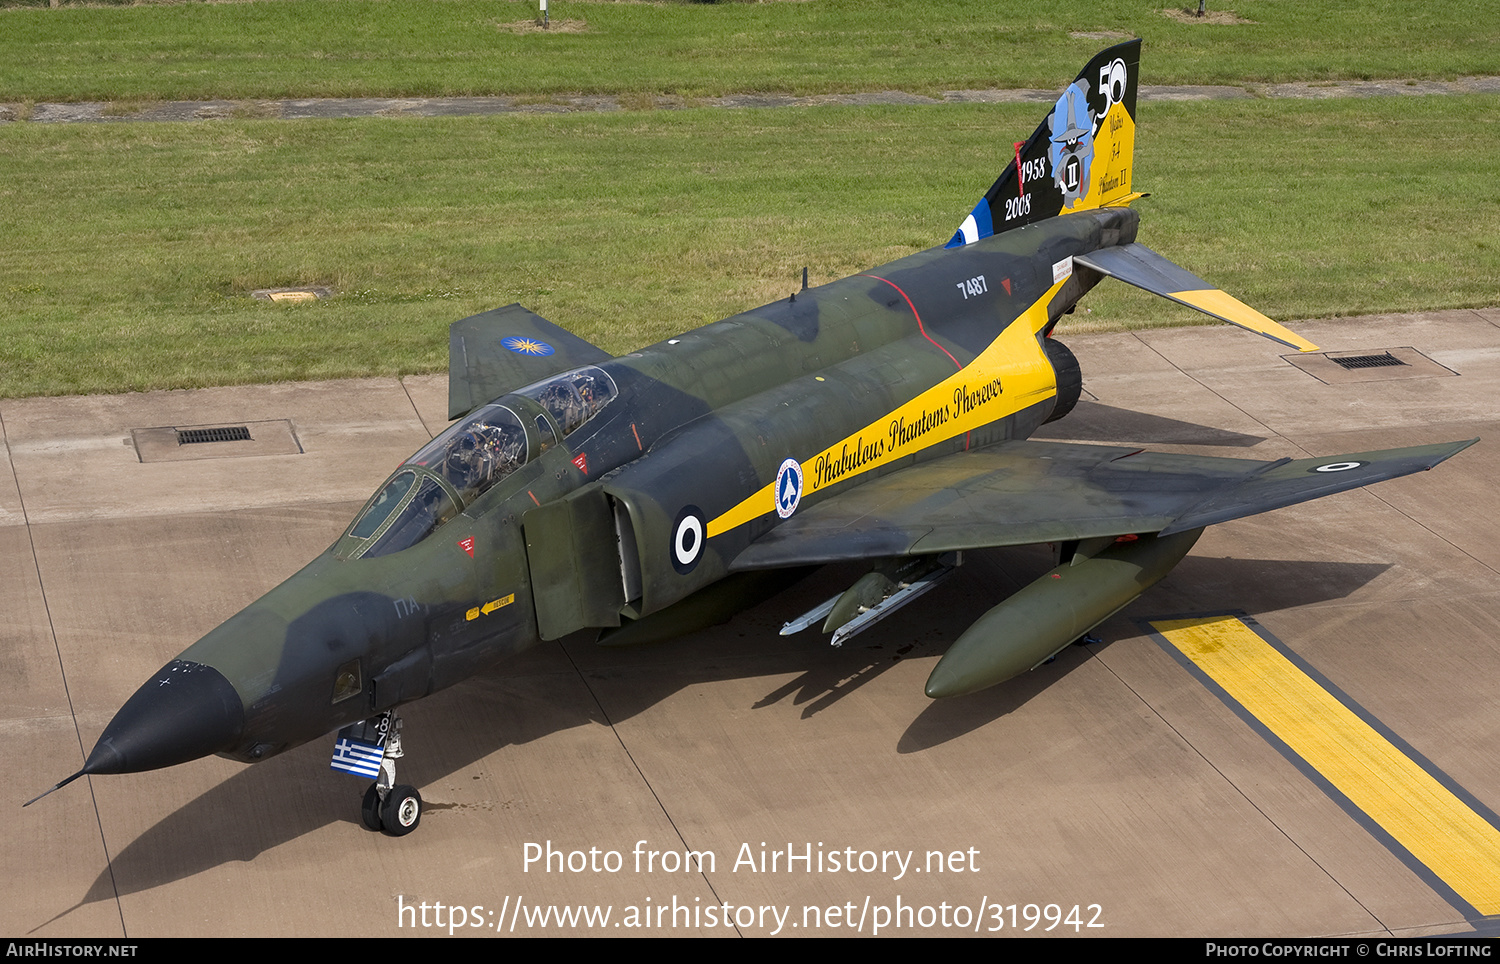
[1026, 492]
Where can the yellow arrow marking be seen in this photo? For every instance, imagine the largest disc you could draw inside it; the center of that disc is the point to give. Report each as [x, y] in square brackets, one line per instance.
[489, 607]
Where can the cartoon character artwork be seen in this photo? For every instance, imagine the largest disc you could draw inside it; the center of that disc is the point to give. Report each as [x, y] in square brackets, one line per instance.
[1072, 144]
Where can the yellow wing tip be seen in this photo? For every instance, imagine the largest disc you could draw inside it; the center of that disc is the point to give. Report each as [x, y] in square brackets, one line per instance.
[1225, 306]
[1289, 337]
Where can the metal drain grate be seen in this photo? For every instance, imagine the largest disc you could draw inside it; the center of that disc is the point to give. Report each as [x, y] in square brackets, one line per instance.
[1350, 362]
[233, 433]
[178, 443]
[1349, 366]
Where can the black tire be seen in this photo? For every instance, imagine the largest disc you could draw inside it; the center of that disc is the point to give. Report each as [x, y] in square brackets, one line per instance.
[402, 810]
[369, 810]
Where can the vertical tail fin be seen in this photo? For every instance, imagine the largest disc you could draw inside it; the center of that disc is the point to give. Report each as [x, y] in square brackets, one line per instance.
[1079, 157]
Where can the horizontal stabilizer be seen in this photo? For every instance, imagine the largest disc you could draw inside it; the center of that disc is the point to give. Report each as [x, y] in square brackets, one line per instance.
[1138, 265]
[499, 351]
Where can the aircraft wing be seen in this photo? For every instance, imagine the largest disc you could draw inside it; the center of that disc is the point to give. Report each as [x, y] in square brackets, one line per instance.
[1026, 492]
[498, 351]
[1138, 265]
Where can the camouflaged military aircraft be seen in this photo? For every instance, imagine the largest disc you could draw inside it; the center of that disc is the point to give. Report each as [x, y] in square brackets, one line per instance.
[884, 417]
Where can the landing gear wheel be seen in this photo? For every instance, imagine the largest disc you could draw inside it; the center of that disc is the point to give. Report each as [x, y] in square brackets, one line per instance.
[402, 810]
[369, 810]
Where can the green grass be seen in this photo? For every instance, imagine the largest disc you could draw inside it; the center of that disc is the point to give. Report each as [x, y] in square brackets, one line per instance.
[303, 48]
[130, 248]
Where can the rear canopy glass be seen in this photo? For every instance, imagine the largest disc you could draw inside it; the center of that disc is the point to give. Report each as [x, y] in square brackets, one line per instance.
[573, 397]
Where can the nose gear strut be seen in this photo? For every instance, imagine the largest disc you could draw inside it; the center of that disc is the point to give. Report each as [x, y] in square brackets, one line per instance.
[371, 749]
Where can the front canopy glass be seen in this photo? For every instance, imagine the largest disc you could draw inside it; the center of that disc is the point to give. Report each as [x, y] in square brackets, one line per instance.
[475, 453]
[429, 507]
[447, 474]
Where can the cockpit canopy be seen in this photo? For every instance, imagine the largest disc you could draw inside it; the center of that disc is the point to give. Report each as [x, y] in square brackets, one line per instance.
[475, 453]
[471, 456]
[403, 512]
[574, 397]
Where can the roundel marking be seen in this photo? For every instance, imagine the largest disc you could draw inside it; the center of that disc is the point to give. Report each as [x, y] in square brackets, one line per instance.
[687, 539]
[527, 346]
[1112, 83]
[788, 487]
[1338, 466]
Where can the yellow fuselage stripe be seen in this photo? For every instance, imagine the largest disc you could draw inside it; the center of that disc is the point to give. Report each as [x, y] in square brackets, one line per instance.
[1008, 376]
[1422, 815]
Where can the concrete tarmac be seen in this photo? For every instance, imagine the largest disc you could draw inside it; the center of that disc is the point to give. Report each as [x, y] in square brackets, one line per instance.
[1112, 784]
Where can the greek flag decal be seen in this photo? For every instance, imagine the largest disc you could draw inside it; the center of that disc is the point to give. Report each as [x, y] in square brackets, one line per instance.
[357, 757]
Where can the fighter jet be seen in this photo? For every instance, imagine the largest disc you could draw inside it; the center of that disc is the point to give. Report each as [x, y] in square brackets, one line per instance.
[884, 417]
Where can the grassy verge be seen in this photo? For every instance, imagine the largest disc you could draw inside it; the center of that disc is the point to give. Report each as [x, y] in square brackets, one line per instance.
[131, 248]
[304, 48]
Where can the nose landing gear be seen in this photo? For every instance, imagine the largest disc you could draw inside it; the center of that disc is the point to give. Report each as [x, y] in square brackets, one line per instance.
[371, 749]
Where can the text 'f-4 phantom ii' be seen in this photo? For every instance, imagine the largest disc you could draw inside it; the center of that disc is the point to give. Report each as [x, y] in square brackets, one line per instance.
[884, 417]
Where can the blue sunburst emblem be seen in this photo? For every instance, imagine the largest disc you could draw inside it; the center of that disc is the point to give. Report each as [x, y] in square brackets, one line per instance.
[527, 346]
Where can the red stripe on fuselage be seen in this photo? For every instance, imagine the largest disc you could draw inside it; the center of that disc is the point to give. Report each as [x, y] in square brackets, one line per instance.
[923, 330]
[914, 314]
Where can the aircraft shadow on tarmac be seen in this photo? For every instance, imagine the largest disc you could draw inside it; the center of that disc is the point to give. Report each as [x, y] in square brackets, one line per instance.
[1095, 422]
[527, 700]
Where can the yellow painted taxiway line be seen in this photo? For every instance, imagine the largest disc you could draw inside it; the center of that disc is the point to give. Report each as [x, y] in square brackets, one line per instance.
[1407, 801]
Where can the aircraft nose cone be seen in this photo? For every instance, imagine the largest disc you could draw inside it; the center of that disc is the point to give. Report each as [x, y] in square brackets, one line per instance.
[186, 711]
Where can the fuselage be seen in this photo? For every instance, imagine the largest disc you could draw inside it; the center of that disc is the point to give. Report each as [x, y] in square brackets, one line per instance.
[709, 440]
